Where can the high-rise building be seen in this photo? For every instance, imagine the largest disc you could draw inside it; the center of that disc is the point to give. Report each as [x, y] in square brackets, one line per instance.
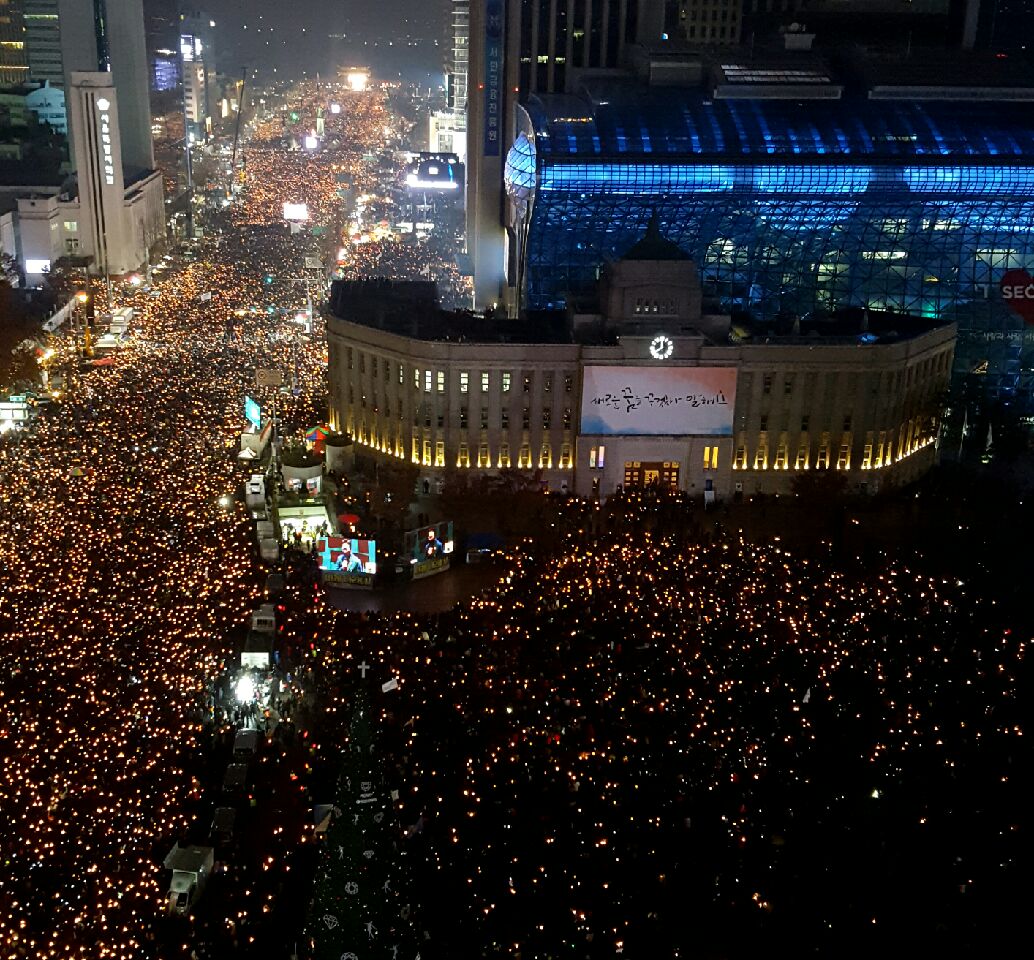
[448, 127]
[197, 64]
[457, 77]
[43, 42]
[14, 64]
[519, 49]
[710, 21]
[120, 211]
[107, 36]
[161, 36]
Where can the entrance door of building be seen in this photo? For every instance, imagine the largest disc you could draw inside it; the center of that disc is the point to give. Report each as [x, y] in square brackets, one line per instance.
[652, 473]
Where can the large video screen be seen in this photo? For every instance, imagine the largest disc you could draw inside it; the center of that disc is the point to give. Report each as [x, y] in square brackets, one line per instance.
[347, 557]
[429, 548]
[658, 401]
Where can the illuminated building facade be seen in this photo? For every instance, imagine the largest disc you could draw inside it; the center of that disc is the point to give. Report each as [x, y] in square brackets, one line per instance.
[14, 62]
[895, 202]
[644, 389]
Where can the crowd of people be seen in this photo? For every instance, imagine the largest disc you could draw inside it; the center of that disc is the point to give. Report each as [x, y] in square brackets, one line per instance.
[122, 575]
[640, 743]
[644, 744]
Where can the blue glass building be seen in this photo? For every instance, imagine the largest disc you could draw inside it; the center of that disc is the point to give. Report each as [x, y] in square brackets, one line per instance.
[802, 207]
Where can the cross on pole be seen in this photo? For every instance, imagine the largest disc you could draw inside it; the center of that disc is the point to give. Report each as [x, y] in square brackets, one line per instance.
[363, 667]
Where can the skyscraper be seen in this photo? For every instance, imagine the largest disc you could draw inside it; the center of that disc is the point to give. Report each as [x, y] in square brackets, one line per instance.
[519, 48]
[161, 36]
[107, 36]
[457, 78]
[14, 66]
[197, 61]
[43, 41]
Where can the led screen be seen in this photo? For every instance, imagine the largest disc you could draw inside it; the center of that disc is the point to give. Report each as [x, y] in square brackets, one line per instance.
[347, 555]
[658, 401]
[428, 548]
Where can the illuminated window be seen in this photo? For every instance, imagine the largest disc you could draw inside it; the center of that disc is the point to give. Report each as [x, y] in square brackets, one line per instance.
[504, 455]
[484, 381]
[565, 456]
[484, 458]
[427, 453]
[439, 453]
[782, 457]
[822, 458]
[416, 378]
[844, 457]
[867, 452]
[710, 458]
[416, 450]
[803, 454]
[441, 381]
[524, 457]
[463, 457]
[592, 458]
[427, 381]
[761, 456]
[879, 448]
[464, 381]
[740, 460]
[601, 456]
[506, 382]
[546, 456]
[402, 375]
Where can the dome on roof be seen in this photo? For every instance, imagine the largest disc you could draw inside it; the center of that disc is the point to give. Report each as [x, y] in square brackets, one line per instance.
[654, 246]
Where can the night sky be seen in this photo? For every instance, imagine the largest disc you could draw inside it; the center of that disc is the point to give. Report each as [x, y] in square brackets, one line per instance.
[300, 37]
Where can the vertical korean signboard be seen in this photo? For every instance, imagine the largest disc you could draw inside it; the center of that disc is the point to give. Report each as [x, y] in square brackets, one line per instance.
[493, 76]
[107, 161]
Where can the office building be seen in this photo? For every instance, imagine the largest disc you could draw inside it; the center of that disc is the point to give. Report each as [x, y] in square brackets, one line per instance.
[519, 49]
[794, 198]
[121, 213]
[43, 42]
[14, 63]
[108, 36]
[197, 60]
[711, 21]
[448, 127]
[643, 389]
[161, 38]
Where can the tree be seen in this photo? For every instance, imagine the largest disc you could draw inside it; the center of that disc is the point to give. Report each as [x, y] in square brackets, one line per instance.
[18, 327]
[391, 492]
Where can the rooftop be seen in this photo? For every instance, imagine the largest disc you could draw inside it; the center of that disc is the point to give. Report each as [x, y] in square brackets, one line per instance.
[617, 118]
[410, 308]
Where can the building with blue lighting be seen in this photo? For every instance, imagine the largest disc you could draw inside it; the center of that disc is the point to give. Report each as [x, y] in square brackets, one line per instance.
[901, 197]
